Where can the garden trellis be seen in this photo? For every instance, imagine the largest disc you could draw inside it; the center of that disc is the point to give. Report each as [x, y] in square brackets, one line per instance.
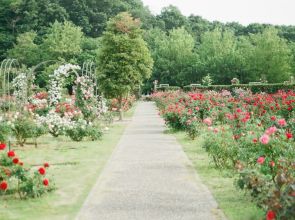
[12, 80]
[89, 71]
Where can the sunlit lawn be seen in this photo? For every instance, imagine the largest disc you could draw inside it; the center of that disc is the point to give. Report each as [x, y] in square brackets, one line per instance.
[75, 166]
[234, 203]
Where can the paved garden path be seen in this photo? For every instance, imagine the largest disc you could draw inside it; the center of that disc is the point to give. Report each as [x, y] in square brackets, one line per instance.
[149, 177]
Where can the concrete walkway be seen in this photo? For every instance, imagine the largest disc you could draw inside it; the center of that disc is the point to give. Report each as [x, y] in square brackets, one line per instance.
[149, 177]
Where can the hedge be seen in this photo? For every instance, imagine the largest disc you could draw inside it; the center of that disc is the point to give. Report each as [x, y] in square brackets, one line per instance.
[269, 88]
[168, 88]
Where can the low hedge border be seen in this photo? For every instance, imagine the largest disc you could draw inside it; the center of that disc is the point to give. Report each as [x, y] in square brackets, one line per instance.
[269, 88]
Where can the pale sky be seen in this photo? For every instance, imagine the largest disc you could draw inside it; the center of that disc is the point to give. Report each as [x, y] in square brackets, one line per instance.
[243, 11]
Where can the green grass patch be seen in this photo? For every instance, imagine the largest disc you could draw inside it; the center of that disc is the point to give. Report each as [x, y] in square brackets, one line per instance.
[75, 167]
[235, 204]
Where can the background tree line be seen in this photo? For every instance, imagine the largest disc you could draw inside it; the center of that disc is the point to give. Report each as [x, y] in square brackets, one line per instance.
[184, 49]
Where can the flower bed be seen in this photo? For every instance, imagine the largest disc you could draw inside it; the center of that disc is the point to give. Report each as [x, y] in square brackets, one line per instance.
[250, 134]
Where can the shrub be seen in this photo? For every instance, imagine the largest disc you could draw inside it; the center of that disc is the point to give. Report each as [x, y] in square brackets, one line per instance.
[16, 178]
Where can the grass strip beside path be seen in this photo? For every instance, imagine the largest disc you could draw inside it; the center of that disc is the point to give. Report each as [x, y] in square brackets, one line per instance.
[234, 203]
[74, 167]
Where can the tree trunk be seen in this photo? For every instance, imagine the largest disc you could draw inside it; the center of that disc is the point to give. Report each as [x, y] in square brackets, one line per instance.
[121, 108]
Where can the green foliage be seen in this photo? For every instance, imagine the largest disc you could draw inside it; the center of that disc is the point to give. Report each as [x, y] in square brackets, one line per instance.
[219, 55]
[5, 130]
[25, 49]
[175, 60]
[269, 56]
[63, 40]
[207, 80]
[124, 61]
[172, 18]
[25, 127]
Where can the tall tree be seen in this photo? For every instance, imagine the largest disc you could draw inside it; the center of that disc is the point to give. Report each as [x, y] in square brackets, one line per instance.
[63, 41]
[271, 56]
[174, 56]
[172, 18]
[26, 50]
[124, 60]
[218, 54]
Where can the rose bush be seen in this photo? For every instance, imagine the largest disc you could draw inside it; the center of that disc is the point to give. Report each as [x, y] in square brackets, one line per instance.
[250, 134]
[18, 178]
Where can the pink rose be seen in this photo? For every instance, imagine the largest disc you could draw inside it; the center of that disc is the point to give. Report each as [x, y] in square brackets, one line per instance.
[208, 121]
[271, 130]
[260, 160]
[282, 122]
[264, 139]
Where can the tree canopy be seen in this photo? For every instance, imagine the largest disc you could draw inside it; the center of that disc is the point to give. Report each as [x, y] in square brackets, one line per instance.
[124, 60]
[184, 49]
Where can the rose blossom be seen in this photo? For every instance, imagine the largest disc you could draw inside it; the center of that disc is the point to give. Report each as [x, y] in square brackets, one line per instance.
[282, 122]
[260, 160]
[2, 146]
[272, 164]
[11, 154]
[208, 121]
[273, 118]
[42, 170]
[271, 130]
[264, 139]
[270, 215]
[45, 182]
[289, 135]
[46, 165]
[15, 160]
[3, 185]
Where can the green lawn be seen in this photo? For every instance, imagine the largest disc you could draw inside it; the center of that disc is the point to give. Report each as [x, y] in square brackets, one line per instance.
[234, 203]
[75, 166]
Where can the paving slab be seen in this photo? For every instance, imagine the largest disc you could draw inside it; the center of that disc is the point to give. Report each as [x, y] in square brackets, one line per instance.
[149, 177]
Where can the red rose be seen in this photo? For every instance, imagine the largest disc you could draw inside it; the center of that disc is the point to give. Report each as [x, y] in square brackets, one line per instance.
[255, 140]
[21, 163]
[3, 185]
[273, 118]
[11, 154]
[46, 165]
[15, 160]
[45, 182]
[2, 146]
[289, 135]
[270, 215]
[42, 170]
